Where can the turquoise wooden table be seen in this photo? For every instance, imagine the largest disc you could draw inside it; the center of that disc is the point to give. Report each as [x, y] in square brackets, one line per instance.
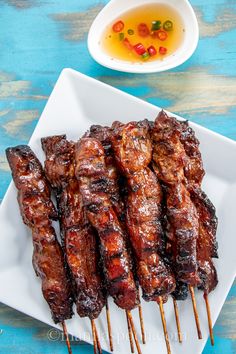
[38, 38]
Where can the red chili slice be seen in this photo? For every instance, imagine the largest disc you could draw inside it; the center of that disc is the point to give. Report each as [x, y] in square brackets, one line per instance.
[162, 50]
[162, 35]
[127, 44]
[118, 26]
[143, 30]
[152, 51]
[154, 34]
[139, 48]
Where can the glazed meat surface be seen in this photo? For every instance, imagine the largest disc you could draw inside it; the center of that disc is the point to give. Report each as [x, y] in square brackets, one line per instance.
[194, 173]
[59, 166]
[206, 244]
[208, 222]
[182, 233]
[82, 253]
[103, 134]
[169, 156]
[169, 160]
[133, 151]
[80, 241]
[37, 210]
[92, 175]
[116, 187]
[193, 169]
[192, 176]
[181, 289]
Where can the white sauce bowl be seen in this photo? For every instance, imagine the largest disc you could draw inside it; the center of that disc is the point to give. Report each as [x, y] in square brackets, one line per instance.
[115, 8]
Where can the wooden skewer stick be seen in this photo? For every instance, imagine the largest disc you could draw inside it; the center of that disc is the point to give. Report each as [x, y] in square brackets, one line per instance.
[140, 311]
[134, 332]
[109, 327]
[130, 334]
[209, 319]
[94, 337]
[195, 312]
[177, 320]
[160, 303]
[67, 337]
[97, 339]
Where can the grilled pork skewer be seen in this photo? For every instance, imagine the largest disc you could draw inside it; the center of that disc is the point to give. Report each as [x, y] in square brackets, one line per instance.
[206, 244]
[133, 151]
[79, 239]
[93, 179]
[169, 161]
[181, 290]
[114, 190]
[37, 211]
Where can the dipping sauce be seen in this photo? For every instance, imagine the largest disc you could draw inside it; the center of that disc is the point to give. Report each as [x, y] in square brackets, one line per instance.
[143, 34]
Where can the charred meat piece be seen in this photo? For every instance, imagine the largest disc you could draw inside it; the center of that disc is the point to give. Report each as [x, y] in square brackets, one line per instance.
[207, 222]
[37, 211]
[59, 166]
[80, 241]
[82, 253]
[135, 148]
[182, 233]
[181, 291]
[133, 151]
[169, 156]
[92, 175]
[103, 134]
[169, 160]
[193, 170]
[194, 173]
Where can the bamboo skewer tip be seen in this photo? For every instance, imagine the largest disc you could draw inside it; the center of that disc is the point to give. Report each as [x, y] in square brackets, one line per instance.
[209, 319]
[134, 332]
[109, 327]
[97, 339]
[67, 337]
[160, 303]
[191, 289]
[94, 337]
[180, 337]
[140, 311]
[130, 333]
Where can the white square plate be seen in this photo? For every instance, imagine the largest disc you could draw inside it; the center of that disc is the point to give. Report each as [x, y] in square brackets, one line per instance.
[77, 102]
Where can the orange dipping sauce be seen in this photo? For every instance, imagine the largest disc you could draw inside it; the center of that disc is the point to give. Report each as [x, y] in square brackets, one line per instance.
[143, 34]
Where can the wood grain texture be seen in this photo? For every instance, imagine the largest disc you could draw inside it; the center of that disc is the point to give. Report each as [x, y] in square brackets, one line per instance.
[21, 4]
[38, 38]
[213, 94]
[225, 21]
[75, 25]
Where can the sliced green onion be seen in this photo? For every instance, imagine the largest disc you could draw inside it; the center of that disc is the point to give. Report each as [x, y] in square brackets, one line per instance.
[130, 32]
[121, 36]
[145, 56]
[156, 25]
[168, 25]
